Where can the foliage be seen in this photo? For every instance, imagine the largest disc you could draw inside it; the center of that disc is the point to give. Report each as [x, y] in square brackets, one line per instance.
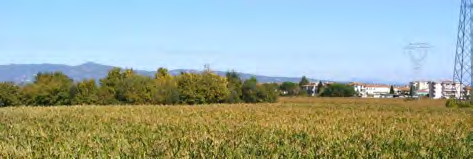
[412, 90]
[290, 88]
[320, 88]
[85, 93]
[267, 93]
[338, 90]
[298, 128]
[165, 89]
[259, 93]
[235, 87]
[108, 87]
[202, 88]
[126, 87]
[48, 89]
[134, 89]
[250, 90]
[304, 81]
[453, 103]
[391, 90]
[9, 94]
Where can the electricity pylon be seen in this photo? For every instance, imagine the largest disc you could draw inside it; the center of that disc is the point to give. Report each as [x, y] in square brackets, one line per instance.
[462, 74]
[417, 53]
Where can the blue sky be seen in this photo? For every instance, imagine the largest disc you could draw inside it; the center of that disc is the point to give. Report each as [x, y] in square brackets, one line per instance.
[339, 40]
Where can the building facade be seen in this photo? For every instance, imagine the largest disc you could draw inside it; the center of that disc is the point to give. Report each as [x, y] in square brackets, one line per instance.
[371, 90]
[445, 89]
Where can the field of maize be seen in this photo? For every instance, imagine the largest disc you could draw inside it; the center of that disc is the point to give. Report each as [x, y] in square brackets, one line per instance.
[292, 128]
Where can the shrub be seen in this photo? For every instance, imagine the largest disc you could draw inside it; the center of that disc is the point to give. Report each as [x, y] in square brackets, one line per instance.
[338, 90]
[451, 103]
[9, 94]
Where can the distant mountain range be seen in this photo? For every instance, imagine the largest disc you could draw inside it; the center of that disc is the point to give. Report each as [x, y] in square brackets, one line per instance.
[24, 73]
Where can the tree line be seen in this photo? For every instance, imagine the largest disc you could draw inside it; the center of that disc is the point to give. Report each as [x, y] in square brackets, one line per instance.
[332, 90]
[126, 87]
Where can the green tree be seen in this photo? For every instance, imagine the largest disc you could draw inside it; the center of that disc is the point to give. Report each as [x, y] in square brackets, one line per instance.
[391, 91]
[162, 73]
[320, 88]
[267, 93]
[48, 89]
[304, 81]
[134, 88]
[202, 88]
[290, 88]
[85, 93]
[339, 90]
[235, 87]
[412, 90]
[108, 87]
[165, 89]
[250, 90]
[9, 94]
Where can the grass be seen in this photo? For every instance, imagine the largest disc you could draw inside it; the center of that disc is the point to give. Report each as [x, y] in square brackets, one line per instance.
[292, 128]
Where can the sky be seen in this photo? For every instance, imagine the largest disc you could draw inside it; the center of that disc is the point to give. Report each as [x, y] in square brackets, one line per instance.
[333, 40]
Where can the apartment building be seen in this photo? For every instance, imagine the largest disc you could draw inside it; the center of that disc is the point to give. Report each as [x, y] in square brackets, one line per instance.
[445, 89]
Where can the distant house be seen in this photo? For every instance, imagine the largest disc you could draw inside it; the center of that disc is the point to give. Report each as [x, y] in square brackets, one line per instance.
[371, 90]
[402, 90]
[311, 88]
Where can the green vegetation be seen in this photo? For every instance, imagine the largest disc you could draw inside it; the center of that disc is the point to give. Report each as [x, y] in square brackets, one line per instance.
[290, 89]
[235, 87]
[9, 94]
[304, 81]
[320, 88]
[293, 128]
[48, 89]
[453, 103]
[338, 90]
[126, 87]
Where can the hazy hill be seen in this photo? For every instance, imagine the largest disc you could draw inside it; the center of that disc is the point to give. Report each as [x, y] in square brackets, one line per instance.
[20, 73]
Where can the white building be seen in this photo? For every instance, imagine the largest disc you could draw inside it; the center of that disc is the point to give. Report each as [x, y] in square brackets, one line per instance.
[371, 90]
[445, 89]
[421, 85]
[311, 88]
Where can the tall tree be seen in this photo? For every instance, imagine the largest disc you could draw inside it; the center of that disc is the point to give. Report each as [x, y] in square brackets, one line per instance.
[235, 87]
[108, 87]
[304, 81]
[165, 89]
[320, 88]
[412, 90]
[250, 90]
[391, 91]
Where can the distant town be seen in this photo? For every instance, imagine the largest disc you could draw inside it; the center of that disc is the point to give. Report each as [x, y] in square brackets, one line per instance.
[417, 89]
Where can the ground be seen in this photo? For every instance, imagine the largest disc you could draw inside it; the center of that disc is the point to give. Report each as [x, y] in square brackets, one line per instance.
[292, 128]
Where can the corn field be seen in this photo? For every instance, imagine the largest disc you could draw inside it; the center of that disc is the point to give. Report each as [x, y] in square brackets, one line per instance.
[292, 128]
